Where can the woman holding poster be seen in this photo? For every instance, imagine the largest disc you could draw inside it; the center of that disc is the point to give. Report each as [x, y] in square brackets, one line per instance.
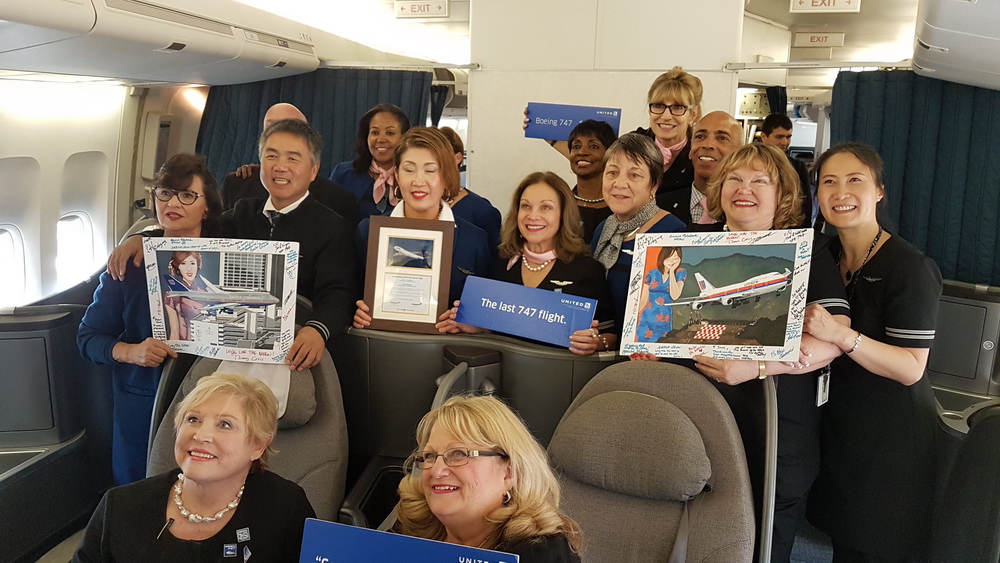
[116, 328]
[543, 248]
[879, 425]
[755, 188]
[631, 178]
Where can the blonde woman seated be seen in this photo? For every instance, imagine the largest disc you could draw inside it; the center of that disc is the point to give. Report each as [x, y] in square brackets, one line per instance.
[482, 480]
[221, 502]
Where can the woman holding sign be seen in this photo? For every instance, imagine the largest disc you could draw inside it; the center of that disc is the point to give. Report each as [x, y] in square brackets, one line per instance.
[633, 167]
[755, 188]
[543, 248]
[480, 479]
[879, 426]
[116, 328]
[427, 177]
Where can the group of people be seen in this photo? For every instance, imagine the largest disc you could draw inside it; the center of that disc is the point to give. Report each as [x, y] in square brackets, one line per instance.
[862, 460]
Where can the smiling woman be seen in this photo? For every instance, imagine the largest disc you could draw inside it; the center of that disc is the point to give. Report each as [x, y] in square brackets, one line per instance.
[222, 499]
[479, 478]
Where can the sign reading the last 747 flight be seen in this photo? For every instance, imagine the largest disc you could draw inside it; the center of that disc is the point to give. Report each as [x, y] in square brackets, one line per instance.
[825, 6]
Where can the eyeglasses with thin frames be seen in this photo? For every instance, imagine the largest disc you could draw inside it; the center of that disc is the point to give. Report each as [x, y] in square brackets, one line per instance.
[183, 196]
[455, 457]
[675, 109]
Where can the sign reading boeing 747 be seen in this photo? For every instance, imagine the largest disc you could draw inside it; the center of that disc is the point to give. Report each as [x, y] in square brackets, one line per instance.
[723, 294]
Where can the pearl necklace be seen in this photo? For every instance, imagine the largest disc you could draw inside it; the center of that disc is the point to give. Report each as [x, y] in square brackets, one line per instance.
[538, 268]
[198, 518]
[585, 200]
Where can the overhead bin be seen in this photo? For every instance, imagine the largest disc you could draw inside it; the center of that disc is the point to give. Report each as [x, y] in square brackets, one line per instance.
[219, 42]
[958, 41]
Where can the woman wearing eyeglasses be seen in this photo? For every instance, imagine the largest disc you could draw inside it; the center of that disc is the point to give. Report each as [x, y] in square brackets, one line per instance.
[480, 479]
[116, 328]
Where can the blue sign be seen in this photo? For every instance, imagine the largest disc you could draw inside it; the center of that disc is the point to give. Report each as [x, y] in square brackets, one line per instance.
[554, 122]
[326, 542]
[538, 314]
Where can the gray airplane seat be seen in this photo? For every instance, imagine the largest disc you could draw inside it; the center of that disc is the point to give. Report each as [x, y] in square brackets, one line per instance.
[311, 439]
[967, 524]
[652, 467]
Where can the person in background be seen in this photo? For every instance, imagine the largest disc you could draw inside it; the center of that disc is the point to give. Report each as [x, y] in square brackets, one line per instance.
[777, 132]
[371, 176]
[875, 491]
[715, 135]
[756, 189]
[220, 501]
[468, 205]
[588, 142]
[116, 329]
[428, 177]
[479, 478]
[542, 248]
[633, 167]
[246, 182]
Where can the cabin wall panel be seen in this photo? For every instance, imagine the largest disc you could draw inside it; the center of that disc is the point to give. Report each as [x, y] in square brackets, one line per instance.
[760, 38]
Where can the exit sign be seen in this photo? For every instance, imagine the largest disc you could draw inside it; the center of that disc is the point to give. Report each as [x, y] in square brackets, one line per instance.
[825, 6]
[421, 8]
[807, 39]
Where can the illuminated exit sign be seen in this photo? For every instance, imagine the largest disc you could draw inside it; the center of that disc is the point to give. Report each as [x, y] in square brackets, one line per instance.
[825, 6]
[421, 8]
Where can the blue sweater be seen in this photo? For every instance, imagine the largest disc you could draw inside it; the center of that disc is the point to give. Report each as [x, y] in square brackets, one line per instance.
[120, 313]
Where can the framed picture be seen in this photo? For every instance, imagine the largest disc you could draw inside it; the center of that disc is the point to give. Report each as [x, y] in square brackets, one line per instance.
[408, 272]
[229, 299]
[723, 294]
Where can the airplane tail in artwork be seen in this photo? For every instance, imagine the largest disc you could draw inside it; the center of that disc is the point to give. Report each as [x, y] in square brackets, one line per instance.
[704, 285]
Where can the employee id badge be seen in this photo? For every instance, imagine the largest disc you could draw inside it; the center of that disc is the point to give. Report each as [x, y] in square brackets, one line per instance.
[823, 387]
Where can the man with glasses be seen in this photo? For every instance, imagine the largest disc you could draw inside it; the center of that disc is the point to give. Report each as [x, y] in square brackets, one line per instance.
[715, 135]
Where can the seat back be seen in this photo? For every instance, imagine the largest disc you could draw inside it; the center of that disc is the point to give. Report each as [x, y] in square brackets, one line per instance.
[311, 439]
[967, 526]
[641, 440]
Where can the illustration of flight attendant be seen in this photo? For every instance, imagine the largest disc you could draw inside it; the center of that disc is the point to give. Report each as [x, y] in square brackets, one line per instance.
[184, 267]
[662, 286]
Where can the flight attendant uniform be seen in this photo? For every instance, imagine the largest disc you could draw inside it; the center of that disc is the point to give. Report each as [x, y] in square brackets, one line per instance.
[875, 490]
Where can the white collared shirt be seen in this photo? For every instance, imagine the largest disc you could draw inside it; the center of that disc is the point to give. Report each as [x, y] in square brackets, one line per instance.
[445, 215]
[269, 206]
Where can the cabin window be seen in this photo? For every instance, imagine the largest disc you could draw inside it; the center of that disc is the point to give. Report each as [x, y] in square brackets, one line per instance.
[12, 281]
[75, 249]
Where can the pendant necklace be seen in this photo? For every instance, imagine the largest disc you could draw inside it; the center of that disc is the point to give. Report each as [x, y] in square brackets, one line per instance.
[852, 277]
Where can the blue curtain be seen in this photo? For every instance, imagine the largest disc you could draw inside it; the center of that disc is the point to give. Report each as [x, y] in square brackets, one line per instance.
[942, 167]
[332, 99]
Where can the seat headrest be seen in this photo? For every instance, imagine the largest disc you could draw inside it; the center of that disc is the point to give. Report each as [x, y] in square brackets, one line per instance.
[634, 444]
[301, 393]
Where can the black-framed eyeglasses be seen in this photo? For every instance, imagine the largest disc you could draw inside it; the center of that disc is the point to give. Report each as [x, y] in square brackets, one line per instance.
[675, 109]
[183, 196]
[455, 457]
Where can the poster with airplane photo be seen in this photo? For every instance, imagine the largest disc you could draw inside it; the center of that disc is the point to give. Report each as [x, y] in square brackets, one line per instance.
[722, 294]
[229, 299]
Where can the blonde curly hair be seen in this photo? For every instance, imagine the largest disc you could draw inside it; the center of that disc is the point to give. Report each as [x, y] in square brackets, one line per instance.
[486, 422]
[775, 164]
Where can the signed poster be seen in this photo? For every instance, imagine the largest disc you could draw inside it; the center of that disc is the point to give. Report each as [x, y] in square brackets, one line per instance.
[722, 294]
[229, 299]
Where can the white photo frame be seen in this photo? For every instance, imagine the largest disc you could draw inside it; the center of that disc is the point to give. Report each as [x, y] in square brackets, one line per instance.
[743, 295]
[238, 304]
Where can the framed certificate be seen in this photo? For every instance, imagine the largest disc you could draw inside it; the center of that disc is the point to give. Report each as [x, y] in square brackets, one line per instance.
[408, 272]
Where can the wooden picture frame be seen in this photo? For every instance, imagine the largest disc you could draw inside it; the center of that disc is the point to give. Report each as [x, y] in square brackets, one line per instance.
[408, 273]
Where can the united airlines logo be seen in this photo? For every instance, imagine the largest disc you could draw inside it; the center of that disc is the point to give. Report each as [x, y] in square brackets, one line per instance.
[609, 113]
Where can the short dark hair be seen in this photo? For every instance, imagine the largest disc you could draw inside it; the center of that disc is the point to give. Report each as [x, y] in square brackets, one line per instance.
[775, 121]
[298, 128]
[600, 130]
[179, 171]
[640, 149]
[362, 156]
